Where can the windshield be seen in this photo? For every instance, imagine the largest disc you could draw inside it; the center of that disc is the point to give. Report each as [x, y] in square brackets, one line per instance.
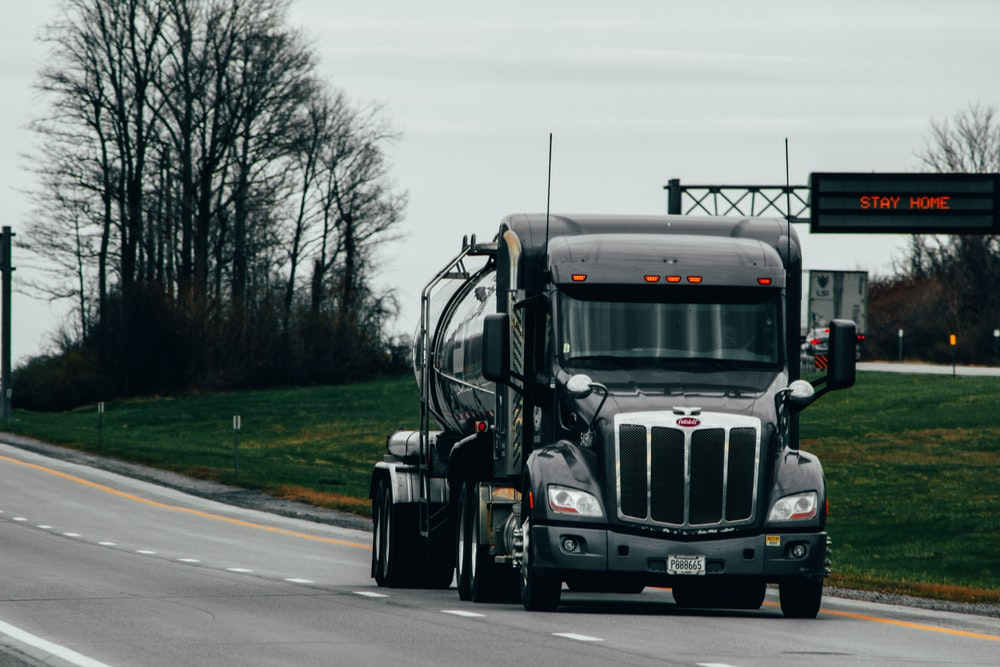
[732, 328]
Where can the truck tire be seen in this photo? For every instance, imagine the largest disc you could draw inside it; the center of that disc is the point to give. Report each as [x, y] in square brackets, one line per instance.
[439, 570]
[801, 597]
[389, 545]
[463, 543]
[721, 593]
[538, 592]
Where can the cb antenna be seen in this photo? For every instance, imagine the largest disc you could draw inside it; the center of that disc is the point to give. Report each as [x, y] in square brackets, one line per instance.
[548, 196]
[788, 202]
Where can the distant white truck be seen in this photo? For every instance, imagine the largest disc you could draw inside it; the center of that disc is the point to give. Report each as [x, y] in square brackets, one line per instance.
[835, 295]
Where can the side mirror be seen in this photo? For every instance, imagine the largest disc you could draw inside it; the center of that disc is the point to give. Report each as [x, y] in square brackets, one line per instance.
[843, 344]
[496, 348]
[579, 386]
[800, 394]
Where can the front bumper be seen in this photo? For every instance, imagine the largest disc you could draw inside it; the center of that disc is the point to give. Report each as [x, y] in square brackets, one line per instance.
[570, 551]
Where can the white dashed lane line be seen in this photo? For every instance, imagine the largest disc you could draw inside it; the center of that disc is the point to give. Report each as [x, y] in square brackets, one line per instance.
[576, 637]
[463, 613]
[474, 614]
[151, 552]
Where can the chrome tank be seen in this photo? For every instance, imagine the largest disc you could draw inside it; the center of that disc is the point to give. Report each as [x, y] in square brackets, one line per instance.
[458, 394]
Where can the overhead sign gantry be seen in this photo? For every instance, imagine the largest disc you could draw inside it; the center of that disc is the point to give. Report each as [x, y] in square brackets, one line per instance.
[857, 202]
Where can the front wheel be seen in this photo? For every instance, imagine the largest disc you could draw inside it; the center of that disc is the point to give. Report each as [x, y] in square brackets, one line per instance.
[538, 592]
[801, 598]
[721, 593]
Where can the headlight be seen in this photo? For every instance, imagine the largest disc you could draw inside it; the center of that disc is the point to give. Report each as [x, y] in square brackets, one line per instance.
[572, 501]
[795, 508]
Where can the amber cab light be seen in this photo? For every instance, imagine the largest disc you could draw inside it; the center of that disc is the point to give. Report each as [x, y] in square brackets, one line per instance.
[579, 277]
[651, 279]
[694, 279]
[673, 279]
[763, 281]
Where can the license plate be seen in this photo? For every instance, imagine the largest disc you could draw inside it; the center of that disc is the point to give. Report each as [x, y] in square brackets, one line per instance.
[685, 564]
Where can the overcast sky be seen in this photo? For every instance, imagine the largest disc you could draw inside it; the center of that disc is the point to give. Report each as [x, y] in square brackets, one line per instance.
[634, 92]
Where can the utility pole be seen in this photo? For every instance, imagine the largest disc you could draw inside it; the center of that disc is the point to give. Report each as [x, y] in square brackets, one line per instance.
[6, 269]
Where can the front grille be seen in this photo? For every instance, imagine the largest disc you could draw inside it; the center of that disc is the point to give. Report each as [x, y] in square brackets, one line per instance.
[687, 476]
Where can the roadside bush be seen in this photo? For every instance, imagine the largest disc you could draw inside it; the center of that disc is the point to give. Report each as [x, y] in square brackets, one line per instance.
[55, 383]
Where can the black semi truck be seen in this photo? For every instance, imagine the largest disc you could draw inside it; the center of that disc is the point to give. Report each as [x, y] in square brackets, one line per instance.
[609, 403]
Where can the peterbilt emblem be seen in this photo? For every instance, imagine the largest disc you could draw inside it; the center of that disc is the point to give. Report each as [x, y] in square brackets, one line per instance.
[688, 421]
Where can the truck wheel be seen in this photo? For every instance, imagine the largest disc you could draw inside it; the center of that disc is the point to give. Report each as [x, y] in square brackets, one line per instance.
[747, 594]
[463, 544]
[538, 592]
[800, 598]
[440, 566]
[388, 547]
[690, 596]
[481, 584]
[723, 593]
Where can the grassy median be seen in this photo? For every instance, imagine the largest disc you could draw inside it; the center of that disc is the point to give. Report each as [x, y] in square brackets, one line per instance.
[911, 462]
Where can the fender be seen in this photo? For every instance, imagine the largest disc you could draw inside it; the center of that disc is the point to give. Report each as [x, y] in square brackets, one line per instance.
[564, 463]
[798, 471]
[471, 459]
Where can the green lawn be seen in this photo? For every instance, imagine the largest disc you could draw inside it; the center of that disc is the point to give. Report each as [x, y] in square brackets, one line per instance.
[911, 462]
[911, 465]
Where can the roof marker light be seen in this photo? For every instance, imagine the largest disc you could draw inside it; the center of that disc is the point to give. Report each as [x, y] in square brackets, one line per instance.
[651, 278]
[694, 279]
[764, 281]
[579, 277]
[673, 279]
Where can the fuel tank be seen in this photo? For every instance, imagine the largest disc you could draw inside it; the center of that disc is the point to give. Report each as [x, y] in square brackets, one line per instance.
[457, 393]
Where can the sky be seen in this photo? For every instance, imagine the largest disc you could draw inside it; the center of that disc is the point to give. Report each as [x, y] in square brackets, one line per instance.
[634, 93]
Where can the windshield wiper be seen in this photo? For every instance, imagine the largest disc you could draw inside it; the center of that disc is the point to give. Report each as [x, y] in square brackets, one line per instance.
[599, 360]
[714, 363]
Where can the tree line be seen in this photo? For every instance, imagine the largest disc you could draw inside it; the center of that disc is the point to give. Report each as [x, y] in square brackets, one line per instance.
[945, 284]
[209, 204]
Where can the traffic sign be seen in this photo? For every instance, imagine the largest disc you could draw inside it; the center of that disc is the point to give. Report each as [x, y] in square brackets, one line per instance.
[895, 203]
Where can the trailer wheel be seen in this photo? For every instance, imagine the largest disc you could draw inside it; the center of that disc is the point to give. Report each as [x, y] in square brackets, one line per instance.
[538, 592]
[440, 566]
[800, 597]
[388, 548]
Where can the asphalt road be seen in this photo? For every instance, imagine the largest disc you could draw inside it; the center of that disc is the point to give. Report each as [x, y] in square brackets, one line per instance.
[102, 569]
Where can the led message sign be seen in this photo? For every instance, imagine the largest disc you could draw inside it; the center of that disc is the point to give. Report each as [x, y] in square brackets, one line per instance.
[862, 203]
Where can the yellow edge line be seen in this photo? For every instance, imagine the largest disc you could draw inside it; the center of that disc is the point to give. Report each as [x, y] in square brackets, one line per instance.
[206, 515]
[907, 624]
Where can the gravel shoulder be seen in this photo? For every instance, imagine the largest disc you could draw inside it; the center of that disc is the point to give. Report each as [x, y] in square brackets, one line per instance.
[257, 500]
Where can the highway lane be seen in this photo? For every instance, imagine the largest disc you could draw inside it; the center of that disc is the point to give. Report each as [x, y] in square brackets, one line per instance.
[115, 571]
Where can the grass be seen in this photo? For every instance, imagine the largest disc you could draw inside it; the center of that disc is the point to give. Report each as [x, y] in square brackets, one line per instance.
[911, 466]
[910, 460]
[316, 444]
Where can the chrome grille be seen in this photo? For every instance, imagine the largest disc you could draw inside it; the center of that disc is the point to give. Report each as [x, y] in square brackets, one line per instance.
[687, 476]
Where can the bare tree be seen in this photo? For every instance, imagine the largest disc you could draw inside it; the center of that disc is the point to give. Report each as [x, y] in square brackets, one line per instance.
[969, 265]
[969, 143]
[191, 164]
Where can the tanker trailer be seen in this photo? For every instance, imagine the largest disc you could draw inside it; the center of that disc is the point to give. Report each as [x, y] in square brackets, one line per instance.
[613, 407]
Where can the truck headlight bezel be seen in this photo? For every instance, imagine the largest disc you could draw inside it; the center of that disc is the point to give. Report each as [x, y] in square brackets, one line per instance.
[803, 506]
[574, 502]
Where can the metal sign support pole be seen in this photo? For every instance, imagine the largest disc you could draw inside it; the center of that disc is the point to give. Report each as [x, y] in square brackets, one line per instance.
[6, 391]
